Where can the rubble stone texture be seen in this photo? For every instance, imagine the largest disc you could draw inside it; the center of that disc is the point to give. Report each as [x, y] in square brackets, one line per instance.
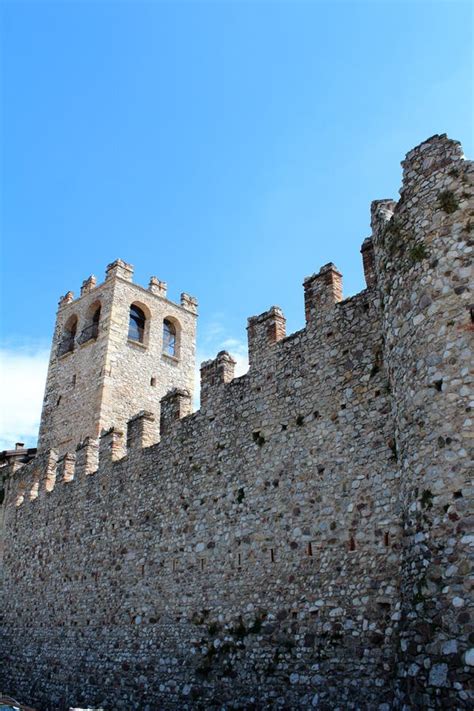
[301, 541]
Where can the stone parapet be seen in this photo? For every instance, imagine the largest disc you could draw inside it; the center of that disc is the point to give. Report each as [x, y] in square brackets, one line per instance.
[263, 331]
[321, 292]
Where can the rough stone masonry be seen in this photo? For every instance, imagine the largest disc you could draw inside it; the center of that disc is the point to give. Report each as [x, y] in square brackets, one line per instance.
[302, 540]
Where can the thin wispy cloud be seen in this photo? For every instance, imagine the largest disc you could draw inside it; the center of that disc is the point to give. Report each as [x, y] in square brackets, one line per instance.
[22, 380]
[214, 330]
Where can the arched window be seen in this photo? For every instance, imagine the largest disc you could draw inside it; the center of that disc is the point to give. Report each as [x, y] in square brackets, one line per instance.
[136, 326]
[96, 317]
[169, 338]
[91, 331]
[69, 335]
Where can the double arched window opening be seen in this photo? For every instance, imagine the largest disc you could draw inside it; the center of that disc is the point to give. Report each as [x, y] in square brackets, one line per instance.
[138, 328]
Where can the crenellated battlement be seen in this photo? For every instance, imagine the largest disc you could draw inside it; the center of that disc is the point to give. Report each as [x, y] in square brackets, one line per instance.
[304, 535]
[124, 271]
[321, 292]
[267, 339]
[437, 154]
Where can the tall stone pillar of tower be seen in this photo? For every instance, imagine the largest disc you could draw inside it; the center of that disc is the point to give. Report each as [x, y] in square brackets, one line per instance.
[424, 269]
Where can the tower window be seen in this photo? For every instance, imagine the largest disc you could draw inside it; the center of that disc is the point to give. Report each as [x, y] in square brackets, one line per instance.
[136, 326]
[169, 338]
[69, 334]
[95, 322]
[91, 331]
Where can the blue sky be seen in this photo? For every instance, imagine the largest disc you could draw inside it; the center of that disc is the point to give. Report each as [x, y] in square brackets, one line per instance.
[230, 148]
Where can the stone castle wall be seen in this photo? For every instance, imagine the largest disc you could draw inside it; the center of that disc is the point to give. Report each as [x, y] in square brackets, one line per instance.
[301, 540]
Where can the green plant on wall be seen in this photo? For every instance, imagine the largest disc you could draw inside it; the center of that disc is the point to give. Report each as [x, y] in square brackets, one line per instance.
[417, 252]
[447, 201]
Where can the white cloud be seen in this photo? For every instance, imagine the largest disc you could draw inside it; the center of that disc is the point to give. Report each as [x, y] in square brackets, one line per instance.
[22, 381]
[214, 328]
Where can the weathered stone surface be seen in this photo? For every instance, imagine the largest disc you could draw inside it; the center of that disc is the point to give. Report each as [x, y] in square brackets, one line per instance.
[302, 541]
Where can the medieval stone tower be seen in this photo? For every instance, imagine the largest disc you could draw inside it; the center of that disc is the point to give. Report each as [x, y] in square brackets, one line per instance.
[117, 349]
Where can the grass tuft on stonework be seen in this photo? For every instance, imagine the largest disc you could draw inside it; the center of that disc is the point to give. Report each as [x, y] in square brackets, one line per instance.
[418, 252]
[447, 201]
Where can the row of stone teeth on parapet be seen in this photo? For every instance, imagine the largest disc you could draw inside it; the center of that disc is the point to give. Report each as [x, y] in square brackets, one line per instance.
[322, 291]
[124, 271]
[113, 445]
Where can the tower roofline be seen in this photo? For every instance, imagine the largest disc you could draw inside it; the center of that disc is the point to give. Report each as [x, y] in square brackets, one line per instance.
[188, 303]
